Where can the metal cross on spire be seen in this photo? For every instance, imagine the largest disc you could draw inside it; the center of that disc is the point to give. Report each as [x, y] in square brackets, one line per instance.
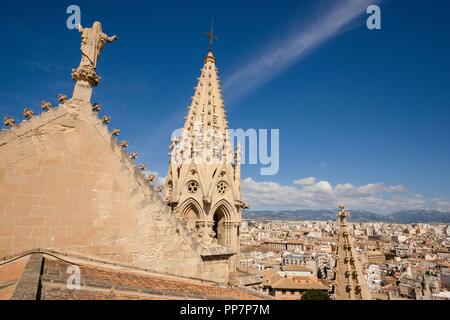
[211, 36]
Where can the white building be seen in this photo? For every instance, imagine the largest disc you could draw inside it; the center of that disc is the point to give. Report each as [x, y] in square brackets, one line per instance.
[374, 281]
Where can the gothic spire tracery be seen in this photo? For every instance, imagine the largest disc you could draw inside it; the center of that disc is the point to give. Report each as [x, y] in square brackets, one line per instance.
[350, 282]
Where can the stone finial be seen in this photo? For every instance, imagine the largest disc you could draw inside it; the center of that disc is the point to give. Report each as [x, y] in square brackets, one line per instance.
[124, 144]
[96, 107]
[62, 98]
[46, 106]
[142, 167]
[133, 156]
[106, 119]
[151, 177]
[9, 122]
[116, 132]
[28, 113]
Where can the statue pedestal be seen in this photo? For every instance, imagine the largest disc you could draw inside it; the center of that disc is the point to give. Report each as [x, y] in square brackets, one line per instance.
[85, 80]
[82, 91]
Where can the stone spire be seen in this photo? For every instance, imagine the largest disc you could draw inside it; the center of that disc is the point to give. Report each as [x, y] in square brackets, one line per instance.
[206, 116]
[203, 182]
[350, 283]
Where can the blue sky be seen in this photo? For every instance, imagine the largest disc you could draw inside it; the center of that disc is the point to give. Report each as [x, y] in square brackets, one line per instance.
[366, 113]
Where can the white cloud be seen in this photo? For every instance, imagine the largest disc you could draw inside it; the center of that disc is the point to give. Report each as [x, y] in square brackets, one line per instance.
[306, 181]
[321, 186]
[278, 56]
[309, 193]
[398, 188]
[344, 187]
[368, 189]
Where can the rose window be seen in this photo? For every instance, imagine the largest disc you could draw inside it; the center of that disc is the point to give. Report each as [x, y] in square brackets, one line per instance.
[193, 186]
[222, 187]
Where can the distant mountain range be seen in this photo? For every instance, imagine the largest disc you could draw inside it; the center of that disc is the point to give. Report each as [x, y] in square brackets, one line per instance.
[406, 216]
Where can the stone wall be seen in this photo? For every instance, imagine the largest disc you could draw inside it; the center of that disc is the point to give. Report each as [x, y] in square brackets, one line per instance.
[66, 184]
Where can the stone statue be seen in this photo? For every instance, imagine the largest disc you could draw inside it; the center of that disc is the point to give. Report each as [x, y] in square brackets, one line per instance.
[93, 41]
[205, 234]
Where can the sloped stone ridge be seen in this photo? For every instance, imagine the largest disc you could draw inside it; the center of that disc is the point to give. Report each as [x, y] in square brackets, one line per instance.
[66, 184]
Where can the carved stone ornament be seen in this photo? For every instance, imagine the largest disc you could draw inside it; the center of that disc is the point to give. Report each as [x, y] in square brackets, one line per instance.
[205, 234]
[106, 119]
[86, 74]
[133, 156]
[28, 113]
[62, 98]
[9, 122]
[96, 107]
[124, 144]
[46, 106]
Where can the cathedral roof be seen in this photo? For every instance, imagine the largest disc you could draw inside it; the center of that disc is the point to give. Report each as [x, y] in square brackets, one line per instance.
[103, 280]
